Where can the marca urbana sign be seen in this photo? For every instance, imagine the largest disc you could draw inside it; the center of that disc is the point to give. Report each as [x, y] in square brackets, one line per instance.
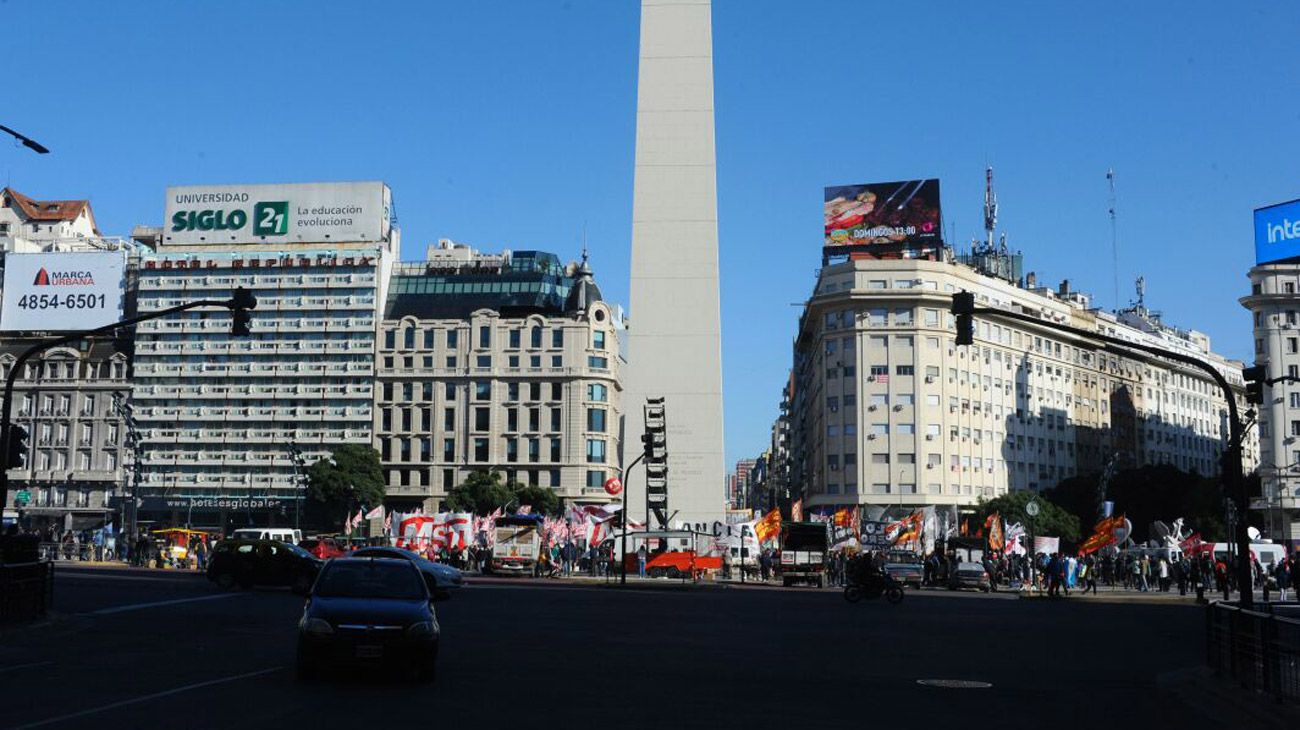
[316, 212]
[53, 292]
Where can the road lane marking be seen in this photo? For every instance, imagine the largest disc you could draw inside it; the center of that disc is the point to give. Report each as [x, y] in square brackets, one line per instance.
[146, 698]
[155, 604]
[16, 667]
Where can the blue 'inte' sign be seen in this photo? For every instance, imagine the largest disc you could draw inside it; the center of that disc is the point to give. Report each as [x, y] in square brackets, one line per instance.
[1277, 232]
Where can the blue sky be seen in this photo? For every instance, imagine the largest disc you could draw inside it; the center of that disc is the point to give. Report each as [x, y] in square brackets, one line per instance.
[510, 124]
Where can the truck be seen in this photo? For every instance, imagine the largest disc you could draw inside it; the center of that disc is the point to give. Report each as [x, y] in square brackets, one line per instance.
[803, 553]
[514, 551]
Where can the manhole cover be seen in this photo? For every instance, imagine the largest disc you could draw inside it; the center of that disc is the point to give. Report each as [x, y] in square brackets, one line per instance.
[954, 683]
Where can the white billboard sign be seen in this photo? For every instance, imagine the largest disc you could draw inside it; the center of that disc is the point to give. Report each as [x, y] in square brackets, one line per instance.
[54, 292]
[210, 215]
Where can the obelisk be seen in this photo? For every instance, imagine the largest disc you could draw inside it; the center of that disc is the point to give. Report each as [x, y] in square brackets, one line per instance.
[675, 329]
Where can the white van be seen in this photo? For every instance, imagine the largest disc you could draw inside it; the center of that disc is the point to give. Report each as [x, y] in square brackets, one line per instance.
[1267, 553]
[283, 534]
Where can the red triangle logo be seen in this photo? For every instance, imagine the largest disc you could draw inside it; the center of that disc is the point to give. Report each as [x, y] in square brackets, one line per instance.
[42, 278]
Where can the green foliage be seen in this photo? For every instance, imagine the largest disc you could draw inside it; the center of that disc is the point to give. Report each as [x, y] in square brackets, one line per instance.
[484, 491]
[480, 493]
[353, 480]
[1160, 492]
[542, 500]
[1051, 521]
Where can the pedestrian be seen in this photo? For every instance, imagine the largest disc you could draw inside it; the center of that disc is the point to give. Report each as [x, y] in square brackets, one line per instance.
[640, 561]
[201, 553]
[1164, 575]
[1282, 574]
[1090, 575]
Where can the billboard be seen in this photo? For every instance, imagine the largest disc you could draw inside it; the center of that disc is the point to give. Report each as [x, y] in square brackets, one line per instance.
[1277, 232]
[199, 215]
[883, 213]
[53, 292]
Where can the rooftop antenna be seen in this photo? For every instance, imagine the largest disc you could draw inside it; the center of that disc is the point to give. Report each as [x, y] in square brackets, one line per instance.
[1141, 291]
[584, 242]
[990, 207]
[1114, 235]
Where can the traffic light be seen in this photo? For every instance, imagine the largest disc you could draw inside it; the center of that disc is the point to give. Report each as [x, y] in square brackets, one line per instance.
[963, 305]
[17, 457]
[242, 301]
[1255, 376]
[655, 444]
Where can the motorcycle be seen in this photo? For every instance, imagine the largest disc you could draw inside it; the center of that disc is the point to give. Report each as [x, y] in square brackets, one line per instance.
[866, 581]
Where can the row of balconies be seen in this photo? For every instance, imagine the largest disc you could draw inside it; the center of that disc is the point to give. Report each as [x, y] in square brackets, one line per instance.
[222, 392]
[333, 347]
[192, 435]
[356, 414]
[215, 370]
[330, 281]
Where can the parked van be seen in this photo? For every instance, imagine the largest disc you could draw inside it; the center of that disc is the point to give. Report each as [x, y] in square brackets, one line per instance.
[283, 534]
[1268, 554]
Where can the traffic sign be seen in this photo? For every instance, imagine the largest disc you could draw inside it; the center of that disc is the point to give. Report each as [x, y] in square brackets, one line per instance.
[613, 486]
[22, 498]
[1032, 508]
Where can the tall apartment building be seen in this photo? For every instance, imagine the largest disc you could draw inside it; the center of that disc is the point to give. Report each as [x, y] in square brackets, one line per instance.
[219, 413]
[504, 362]
[740, 484]
[1274, 304]
[888, 411]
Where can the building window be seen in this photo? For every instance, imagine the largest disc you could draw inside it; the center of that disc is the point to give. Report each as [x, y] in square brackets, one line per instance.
[595, 361]
[534, 450]
[480, 449]
[512, 392]
[483, 361]
[535, 337]
[483, 390]
[598, 340]
[595, 479]
[596, 392]
[428, 339]
[555, 419]
[453, 339]
[596, 419]
[534, 419]
[555, 451]
[557, 338]
[1295, 400]
[595, 451]
[481, 419]
[449, 419]
[408, 338]
[557, 391]
[484, 337]
[449, 450]
[390, 340]
[555, 478]
[514, 339]
[512, 419]
[512, 450]
[426, 450]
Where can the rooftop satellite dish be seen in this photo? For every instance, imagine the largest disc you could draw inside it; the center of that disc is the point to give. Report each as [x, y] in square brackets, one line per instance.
[1252, 533]
[1160, 529]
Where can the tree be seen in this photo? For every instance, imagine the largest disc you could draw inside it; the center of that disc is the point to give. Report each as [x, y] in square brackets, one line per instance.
[1051, 520]
[1157, 492]
[482, 492]
[542, 500]
[348, 479]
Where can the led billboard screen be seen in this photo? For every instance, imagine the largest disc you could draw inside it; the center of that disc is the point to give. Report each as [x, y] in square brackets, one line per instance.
[1277, 232]
[882, 213]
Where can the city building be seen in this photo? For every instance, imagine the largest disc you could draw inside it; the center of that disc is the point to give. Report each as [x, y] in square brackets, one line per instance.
[219, 414]
[1275, 307]
[505, 362]
[740, 483]
[675, 331]
[32, 226]
[76, 439]
[889, 411]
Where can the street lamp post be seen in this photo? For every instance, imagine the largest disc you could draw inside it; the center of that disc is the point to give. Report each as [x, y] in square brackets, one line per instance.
[622, 558]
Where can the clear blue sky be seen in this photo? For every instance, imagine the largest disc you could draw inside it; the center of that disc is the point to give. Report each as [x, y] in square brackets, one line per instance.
[511, 124]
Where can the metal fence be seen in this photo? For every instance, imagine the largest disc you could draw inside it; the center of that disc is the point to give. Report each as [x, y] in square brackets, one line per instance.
[1258, 649]
[26, 590]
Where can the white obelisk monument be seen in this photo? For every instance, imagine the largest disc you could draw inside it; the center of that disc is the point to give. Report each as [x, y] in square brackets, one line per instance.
[675, 329]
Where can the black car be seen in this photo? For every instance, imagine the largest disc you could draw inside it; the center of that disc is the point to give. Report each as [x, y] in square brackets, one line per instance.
[369, 611]
[249, 563]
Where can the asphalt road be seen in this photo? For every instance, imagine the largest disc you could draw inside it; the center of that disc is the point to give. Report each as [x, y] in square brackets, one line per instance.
[141, 649]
